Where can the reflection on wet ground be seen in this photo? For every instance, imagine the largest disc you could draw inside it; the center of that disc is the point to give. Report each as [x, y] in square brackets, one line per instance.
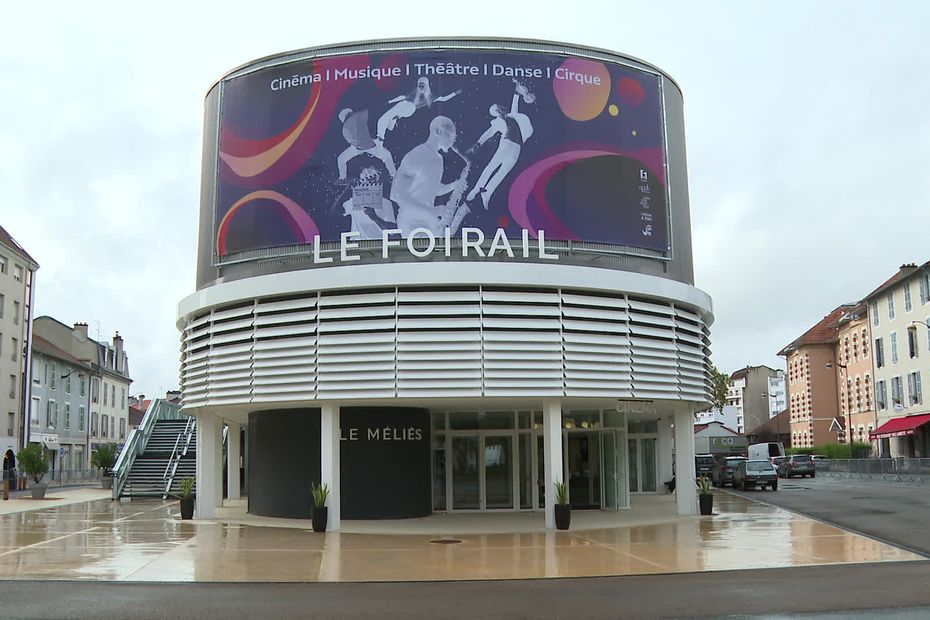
[146, 541]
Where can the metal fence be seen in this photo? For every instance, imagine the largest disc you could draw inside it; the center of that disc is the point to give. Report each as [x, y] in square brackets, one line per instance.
[62, 477]
[895, 469]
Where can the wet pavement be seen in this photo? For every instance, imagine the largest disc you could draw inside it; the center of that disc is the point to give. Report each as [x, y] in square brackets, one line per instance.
[147, 542]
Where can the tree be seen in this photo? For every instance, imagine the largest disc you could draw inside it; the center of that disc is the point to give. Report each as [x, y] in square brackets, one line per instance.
[32, 461]
[719, 384]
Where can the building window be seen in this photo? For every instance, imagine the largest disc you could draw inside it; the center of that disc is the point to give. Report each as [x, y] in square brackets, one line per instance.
[913, 388]
[894, 347]
[897, 391]
[51, 382]
[15, 313]
[68, 383]
[13, 354]
[95, 389]
[104, 392]
[104, 425]
[81, 418]
[873, 310]
[34, 411]
[890, 305]
[113, 394]
[4, 261]
[12, 386]
[82, 382]
[912, 342]
[11, 422]
[925, 287]
[881, 395]
[67, 416]
[122, 398]
[93, 424]
[17, 272]
[48, 413]
[2, 298]
[122, 428]
[112, 426]
[879, 352]
[907, 297]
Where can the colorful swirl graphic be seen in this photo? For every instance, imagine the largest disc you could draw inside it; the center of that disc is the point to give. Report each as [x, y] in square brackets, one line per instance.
[298, 220]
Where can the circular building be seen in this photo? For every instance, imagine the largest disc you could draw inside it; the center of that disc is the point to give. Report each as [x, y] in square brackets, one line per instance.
[443, 275]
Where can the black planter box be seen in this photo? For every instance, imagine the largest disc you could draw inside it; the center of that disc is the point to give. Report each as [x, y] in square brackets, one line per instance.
[563, 516]
[187, 507]
[319, 518]
[707, 504]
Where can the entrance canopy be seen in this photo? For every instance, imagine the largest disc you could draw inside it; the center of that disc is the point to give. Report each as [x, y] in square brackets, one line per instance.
[898, 427]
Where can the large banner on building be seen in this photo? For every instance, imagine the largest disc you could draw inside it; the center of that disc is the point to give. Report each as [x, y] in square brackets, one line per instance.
[441, 141]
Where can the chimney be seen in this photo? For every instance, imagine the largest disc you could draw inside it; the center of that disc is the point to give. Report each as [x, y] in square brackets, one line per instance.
[80, 329]
[118, 347]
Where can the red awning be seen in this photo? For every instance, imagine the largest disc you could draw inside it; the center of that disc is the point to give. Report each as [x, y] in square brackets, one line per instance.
[897, 427]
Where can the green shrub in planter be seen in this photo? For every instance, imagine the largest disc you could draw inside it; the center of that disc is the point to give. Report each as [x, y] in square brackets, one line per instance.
[105, 457]
[32, 462]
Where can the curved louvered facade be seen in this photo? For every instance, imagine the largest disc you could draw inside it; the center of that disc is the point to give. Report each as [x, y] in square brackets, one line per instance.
[445, 341]
[473, 371]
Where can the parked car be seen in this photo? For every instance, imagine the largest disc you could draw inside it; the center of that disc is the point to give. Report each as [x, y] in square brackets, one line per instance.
[777, 461]
[821, 462]
[797, 465]
[703, 464]
[755, 473]
[723, 470]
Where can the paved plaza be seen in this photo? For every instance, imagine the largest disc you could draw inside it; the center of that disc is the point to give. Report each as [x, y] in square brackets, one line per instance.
[147, 542]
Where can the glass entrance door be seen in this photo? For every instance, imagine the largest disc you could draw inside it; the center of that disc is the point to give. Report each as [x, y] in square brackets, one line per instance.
[609, 460]
[642, 464]
[466, 479]
[498, 471]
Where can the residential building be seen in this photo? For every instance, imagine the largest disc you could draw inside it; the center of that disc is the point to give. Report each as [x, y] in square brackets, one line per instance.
[17, 288]
[898, 315]
[59, 404]
[728, 416]
[853, 364]
[813, 398]
[749, 393]
[109, 379]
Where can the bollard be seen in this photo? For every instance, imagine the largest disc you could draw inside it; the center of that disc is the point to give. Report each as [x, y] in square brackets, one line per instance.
[6, 488]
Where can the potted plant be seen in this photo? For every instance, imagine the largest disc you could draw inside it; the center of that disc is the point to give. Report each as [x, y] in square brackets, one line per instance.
[705, 496]
[105, 458]
[563, 511]
[320, 512]
[187, 497]
[32, 462]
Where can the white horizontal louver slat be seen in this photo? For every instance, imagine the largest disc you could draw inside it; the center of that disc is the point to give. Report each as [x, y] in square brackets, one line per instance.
[290, 317]
[366, 299]
[286, 305]
[233, 313]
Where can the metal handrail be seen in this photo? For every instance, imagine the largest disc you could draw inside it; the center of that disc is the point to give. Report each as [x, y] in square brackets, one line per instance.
[159, 409]
[176, 456]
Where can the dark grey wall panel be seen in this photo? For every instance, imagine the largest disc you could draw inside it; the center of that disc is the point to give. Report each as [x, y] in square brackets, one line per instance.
[385, 466]
[284, 458]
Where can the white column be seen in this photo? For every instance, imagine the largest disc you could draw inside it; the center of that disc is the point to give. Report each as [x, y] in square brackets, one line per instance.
[233, 437]
[665, 449]
[209, 465]
[685, 488]
[329, 461]
[552, 450]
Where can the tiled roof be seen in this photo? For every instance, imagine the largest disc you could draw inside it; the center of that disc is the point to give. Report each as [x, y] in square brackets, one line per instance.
[8, 240]
[903, 272]
[824, 332]
[42, 345]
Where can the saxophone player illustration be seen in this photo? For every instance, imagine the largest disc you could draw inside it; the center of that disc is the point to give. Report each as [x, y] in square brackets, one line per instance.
[418, 183]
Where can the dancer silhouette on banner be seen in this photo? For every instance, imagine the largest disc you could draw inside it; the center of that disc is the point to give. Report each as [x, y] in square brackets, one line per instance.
[515, 128]
[406, 105]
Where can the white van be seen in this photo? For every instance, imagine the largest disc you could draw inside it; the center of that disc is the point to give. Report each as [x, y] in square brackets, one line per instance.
[765, 451]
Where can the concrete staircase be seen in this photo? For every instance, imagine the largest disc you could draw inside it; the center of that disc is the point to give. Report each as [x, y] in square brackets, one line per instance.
[170, 455]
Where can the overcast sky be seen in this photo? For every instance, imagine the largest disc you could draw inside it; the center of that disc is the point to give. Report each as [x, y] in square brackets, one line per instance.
[807, 126]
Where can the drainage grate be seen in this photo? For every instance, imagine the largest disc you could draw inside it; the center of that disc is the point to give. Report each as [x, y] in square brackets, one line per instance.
[445, 541]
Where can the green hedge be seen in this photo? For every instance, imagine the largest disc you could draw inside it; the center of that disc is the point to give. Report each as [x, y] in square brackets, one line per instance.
[837, 450]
